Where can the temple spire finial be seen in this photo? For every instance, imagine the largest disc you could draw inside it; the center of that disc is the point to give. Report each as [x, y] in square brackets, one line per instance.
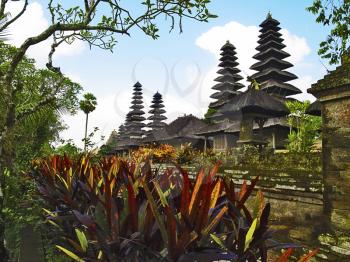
[269, 15]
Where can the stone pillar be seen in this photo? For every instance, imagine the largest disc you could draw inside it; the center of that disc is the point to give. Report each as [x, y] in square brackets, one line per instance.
[333, 91]
[246, 130]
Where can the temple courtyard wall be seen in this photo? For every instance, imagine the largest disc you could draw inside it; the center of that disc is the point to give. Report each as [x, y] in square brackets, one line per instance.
[297, 206]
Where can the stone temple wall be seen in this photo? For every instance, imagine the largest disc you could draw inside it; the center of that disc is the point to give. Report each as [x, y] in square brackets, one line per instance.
[333, 91]
[296, 198]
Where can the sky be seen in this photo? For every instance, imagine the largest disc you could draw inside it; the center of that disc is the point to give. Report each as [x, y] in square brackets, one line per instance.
[180, 66]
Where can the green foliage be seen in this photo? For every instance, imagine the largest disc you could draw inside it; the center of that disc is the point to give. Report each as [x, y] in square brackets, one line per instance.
[307, 127]
[88, 104]
[20, 210]
[89, 140]
[43, 95]
[107, 213]
[335, 14]
[208, 114]
[67, 147]
[186, 154]
[39, 87]
[250, 157]
[115, 17]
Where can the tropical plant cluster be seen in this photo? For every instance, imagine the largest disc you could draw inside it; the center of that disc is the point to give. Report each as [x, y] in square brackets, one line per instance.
[114, 211]
[160, 154]
[305, 128]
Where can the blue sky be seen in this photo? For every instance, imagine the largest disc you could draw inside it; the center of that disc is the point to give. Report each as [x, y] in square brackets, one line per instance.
[180, 66]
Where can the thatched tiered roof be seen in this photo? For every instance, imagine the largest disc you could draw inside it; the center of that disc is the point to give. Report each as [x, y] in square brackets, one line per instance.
[156, 113]
[228, 79]
[183, 128]
[135, 118]
[271, 74]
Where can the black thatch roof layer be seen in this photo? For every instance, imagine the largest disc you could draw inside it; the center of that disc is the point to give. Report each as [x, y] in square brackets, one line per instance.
[274, 74]
[272, 43]
[314, 108]
[271, 75]
[256, 102]
[215, 128]
[234, 126]
[274, 87]
[271, 62]
[113, 139]
[269, 32]
[183, 127]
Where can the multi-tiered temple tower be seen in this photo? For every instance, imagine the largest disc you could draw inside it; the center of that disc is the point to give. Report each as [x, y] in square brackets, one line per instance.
[121, 133]
[156, 113]
[135, 119]
[271, 67]
[228, 84]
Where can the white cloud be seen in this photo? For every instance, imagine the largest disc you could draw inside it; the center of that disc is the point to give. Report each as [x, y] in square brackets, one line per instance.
[32, 23]
[296, 46]
[304, 83]
[244, 38]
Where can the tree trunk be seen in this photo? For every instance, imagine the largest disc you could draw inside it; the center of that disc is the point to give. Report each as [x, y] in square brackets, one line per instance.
[3, 251]
[6, 163]
[86, 126]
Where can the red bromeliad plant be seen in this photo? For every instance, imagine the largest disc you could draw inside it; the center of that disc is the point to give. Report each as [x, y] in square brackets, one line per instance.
[106, 213]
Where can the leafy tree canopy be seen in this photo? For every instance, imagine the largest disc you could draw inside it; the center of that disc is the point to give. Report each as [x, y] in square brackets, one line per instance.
[88, 104]
[43, 95]
[335, 14]
[39, 88]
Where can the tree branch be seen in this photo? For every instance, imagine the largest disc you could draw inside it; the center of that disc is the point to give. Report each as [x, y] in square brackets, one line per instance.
[54, 45]
[2, 7]
[16, 17]
[90, 11]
